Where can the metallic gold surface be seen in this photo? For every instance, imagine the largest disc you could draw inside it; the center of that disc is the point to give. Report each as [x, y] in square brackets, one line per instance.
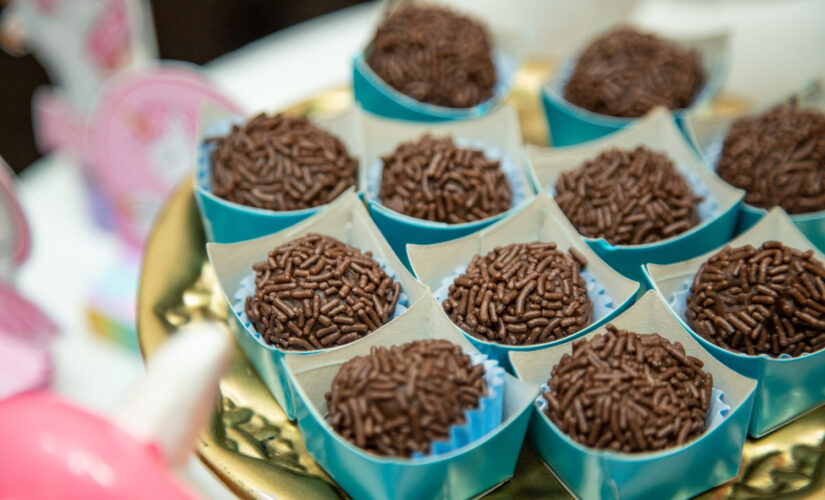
[252, 447]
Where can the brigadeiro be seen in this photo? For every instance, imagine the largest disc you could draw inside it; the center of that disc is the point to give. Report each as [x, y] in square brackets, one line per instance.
[521, 294]
[778, 158]
[434, 55]
[627, 73]
[281, 162]
[628, 197]
[397, 401]
[629, 392]
[760, 300]
[317, 292]
[433, 179]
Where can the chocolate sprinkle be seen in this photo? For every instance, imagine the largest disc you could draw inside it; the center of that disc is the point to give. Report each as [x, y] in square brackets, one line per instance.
[521, 294]
[434, 55]
[627, 197]
[396, 401]
[778, 158]
[629, 392]
[628, 73]
[317, 292]
[281, 163]
[433, 179]
[765, 300]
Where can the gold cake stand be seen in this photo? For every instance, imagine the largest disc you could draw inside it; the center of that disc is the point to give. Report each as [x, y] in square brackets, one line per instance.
[253, 448]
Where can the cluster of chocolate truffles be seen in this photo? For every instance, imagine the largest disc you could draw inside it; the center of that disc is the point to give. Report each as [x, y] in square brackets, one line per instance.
[281, 162]
[628, 197]
[398, 400]
[434, 55]
[629, 392]
[433, 179]
[317, 292]
[778, 158]
[627, 73]
[521, 294]
[760, 300]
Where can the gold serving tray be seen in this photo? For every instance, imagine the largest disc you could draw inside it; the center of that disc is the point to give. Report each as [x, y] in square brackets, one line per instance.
[257, 452]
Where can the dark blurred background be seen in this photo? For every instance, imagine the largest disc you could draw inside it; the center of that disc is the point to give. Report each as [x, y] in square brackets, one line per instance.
[187, 30]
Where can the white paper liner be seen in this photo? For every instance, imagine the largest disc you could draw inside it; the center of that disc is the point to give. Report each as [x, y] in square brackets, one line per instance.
[602, 302]
[246, 288]
[678, 304]
[510, 168]
[716, 413]
[706, 210]
[478, 421]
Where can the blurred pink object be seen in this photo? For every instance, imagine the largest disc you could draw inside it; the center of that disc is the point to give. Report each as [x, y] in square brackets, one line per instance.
[52, 449]
[24, 366]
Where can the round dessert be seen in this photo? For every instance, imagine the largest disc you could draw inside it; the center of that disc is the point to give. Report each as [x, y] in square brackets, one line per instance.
[521, 294]
[766, 300]
[628, 197]
[280, 162]
[433, 179]
[317, 292]
[627, 73]
[629, 392]
[434, 55]
[778, 158]
[396, 401]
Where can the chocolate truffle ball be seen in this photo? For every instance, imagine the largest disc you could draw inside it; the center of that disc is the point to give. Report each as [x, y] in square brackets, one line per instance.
[765, 300]
[317, 292]
[627, 73]
[281, 163]
[521, 294]
[628, 197]
[434, 55]
[396, 401]
[629, 392]
[433, 179]
[778, 158]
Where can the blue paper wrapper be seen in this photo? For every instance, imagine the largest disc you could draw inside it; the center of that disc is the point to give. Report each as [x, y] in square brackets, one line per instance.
[569, 124]
[463, 472]
[437, 266]
[709, 460]
[788, 387]
[377, 97]
[718, 212]
[709, 145]
[228, 222]
[345, 219]
[497, 134]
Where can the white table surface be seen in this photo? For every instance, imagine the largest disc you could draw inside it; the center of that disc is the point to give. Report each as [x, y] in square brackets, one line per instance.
[777, 45]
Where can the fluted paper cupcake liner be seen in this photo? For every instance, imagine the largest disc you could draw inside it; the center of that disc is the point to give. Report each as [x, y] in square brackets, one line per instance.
[708, 134]
[718, 212]
[465, 471]
[788, 386]
[709, 460]
[345, 219]
[570, 124]
[225, 221]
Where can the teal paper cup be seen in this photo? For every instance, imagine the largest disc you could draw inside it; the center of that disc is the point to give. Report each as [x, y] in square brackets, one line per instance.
[680, 472]
[344, 219]
[378, 97]
[466, 472]
[497, 133]
[228, 222]
[541, 220]
[788, 387]
[708, 134]
[718, 212]
[570, 124]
